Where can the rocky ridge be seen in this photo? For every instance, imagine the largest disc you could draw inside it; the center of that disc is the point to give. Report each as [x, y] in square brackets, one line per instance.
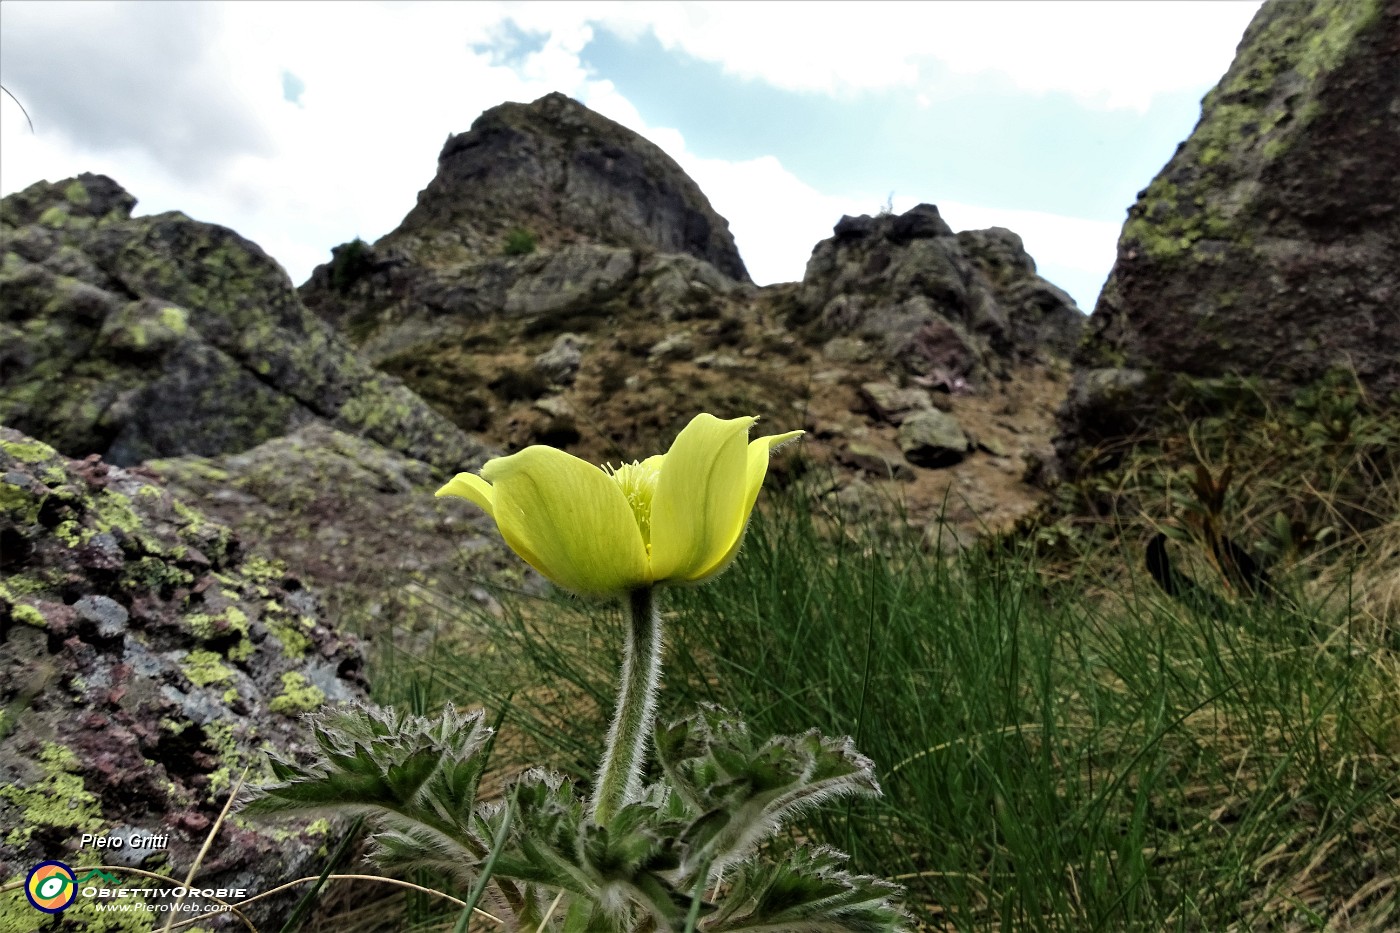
[142, 608]
[607, 352]
[952, 309]
[606, 348]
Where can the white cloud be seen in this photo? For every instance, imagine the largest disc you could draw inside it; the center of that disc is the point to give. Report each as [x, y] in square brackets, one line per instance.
[384, 87]
[1104, 54]
[775, 217]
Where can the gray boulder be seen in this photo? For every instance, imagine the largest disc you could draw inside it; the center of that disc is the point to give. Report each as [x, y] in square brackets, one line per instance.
[893, 404]
[932, 439]
[157, 336]
[559, 364]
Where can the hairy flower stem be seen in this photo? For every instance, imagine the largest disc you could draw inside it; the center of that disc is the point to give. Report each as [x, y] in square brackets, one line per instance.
[620, 777]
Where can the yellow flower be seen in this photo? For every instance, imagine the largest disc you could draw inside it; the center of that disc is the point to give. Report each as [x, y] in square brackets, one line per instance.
[677, 517]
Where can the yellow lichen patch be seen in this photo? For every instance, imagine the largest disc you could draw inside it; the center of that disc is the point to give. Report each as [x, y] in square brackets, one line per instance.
[298, 695]
[153, 573]
[28, 451]
[241, 651]
[20, 612]
[18, 503]
[174, 320]
[59, 799]
[114, 510]
[219, 781]
[291, 632]
[73, 534]
[205, 668]
[77, 194]
[232, 621]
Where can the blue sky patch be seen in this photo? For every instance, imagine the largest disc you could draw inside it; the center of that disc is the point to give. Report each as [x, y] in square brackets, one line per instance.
[292, 88]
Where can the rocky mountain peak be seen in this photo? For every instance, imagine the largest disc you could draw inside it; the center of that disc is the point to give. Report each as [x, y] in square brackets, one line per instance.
[562, 174]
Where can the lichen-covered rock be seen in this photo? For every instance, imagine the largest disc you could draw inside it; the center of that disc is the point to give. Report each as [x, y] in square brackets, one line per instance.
[397, 308]
[146, 659]
[86, 201]
[156, 336]
[358, 519]
[565, 174]
[932, 439]
[559, 364]
[1269, 245]
[942, 306]
[875, 460]
[893, 404]
[478, 338]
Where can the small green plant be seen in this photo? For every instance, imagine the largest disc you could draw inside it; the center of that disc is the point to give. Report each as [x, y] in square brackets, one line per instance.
[694, 848]
[520, 242]
[349, 263]
[1310, 476]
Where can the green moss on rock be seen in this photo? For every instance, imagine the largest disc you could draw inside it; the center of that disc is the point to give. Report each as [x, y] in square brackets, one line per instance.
[205, 668]
[59, 800]
[28, 451]
[1195, 197]
[298, 695]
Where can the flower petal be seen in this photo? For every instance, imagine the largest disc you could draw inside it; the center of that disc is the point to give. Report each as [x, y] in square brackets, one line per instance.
[698, 511]
[474, 489]
[759, 453]
[569, 520]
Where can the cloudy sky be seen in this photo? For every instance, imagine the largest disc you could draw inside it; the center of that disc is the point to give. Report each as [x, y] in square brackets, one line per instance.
[302, 126]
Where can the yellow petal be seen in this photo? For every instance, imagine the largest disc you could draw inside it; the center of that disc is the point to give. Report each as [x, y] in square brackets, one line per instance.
[569, 520]
[473, 488]
[698, 511]
[759, 453]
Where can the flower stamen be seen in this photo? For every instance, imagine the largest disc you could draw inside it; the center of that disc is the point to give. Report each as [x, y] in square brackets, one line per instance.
[638, 483]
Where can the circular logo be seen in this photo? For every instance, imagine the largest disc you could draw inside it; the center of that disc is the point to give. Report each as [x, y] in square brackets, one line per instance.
[51, 887]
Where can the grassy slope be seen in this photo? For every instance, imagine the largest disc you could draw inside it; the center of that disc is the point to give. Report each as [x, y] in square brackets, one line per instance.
[1051, 760]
